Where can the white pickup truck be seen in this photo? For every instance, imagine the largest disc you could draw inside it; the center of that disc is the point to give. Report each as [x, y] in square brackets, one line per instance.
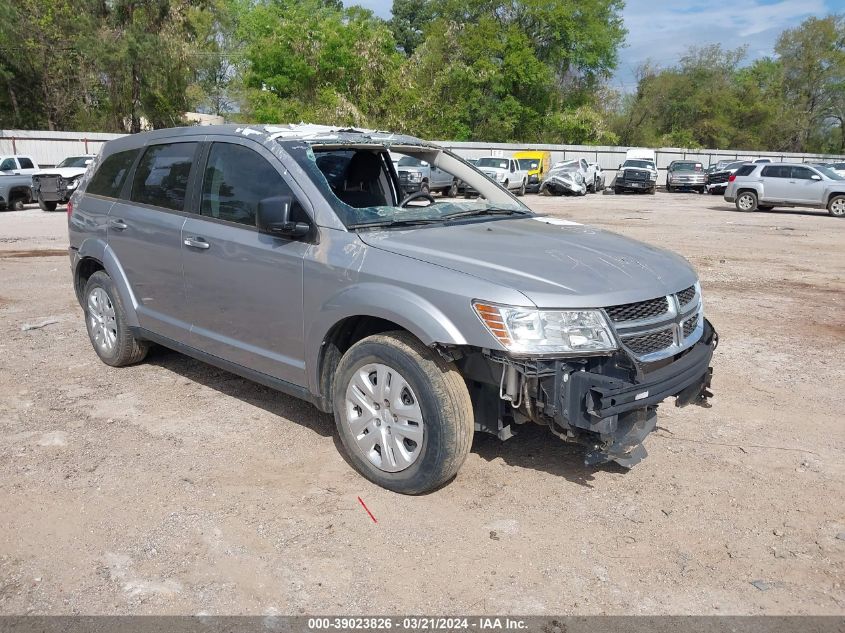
[505, 171]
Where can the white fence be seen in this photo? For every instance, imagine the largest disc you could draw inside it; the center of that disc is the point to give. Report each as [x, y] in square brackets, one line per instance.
[48, 148]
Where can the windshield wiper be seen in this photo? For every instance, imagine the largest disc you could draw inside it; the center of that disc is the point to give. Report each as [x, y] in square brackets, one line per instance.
[477, 212]
[391, 223]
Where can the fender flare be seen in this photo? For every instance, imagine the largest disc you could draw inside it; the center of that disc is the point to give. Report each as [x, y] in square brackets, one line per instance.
[97, 249]
[408, 310]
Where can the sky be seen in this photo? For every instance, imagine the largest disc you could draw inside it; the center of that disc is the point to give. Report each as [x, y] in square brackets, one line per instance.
[663, 30]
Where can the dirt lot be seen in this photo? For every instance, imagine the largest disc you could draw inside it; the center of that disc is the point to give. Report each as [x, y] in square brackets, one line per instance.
[173, 487]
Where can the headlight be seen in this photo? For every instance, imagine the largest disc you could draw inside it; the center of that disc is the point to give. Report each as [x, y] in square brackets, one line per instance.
[73, 184]
[414, 176]
[500, 175]
[532, 331]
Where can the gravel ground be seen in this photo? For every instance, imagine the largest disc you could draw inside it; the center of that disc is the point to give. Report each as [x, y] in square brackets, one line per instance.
[173, 487]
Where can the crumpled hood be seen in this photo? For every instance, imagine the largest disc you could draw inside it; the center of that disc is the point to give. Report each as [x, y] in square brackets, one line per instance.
[64, 172]
[553, 262]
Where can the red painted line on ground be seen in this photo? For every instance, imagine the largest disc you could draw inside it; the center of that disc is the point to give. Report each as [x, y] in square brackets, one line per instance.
[361, 501]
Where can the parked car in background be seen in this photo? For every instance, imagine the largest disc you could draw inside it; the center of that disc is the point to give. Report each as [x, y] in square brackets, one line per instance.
[17, 165]
[839, 168]
[15, 191]
[418, 175]
[600, 177]
[415, 322]
[587, 170]
[51, 187]
[459, 182]
[505, 171]
[636, 175]
[686, 175]
[765, 186]
[717, 181]
[564, 179]
[536, 164]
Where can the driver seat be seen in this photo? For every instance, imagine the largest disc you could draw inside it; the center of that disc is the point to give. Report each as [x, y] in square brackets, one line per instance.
[361, 182]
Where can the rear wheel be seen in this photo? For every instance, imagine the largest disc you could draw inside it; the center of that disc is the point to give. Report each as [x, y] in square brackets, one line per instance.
[836, 206]
[746, 201]
[403, 413]
[47, 205]
[105, 319]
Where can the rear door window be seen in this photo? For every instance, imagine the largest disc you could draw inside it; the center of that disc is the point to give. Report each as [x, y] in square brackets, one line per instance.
[803, 173]
[161, 178]
[109, 179]
[236, 180]
[745, 170]
[775, 171]
[25, 163]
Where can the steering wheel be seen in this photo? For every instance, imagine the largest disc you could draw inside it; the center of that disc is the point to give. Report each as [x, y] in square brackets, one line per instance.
[417, 196]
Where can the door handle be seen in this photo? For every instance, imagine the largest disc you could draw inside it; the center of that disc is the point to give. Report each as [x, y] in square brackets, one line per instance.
[120, 225]
[196, 242]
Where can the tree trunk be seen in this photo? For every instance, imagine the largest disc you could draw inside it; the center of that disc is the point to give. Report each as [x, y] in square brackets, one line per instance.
[135, 122]
[13, 98]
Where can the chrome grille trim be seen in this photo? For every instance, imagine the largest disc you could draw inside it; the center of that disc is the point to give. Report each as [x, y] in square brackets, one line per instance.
[658, 328]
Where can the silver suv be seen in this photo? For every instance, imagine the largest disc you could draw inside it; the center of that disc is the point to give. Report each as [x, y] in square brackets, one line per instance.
[290, 256]
[765, 186]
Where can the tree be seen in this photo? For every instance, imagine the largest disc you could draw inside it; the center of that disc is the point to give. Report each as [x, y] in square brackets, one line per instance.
[408, 23]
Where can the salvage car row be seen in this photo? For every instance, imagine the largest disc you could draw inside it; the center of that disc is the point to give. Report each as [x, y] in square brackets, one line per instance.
[22, 181]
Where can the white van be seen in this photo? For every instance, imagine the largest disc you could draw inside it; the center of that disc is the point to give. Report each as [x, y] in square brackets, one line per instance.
[639, 153]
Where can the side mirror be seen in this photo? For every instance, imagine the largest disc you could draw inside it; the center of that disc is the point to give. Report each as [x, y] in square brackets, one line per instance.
[424, 163]
[274, 217]
[815, 177]
[88, 162]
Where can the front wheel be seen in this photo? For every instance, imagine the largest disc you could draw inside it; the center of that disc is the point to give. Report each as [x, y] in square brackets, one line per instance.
[452, 192]
[403, 413]
[746, 201]
[836, 206]
[424, 188]
[521, 191]
[47, 205]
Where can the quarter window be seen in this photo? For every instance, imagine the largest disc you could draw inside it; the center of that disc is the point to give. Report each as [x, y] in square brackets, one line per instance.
[25, 163]
[109, 179]
[161, 178]
[236, 180]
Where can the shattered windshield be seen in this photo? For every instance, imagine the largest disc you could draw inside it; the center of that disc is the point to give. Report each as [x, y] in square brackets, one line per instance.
[364, 189]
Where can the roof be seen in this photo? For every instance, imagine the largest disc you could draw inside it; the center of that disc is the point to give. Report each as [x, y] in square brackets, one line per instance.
[291, 132]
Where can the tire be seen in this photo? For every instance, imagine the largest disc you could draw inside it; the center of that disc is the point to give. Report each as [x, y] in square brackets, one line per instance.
[47, 206]
[433, 390]
[836, 206]
[765, 207]
[746, 201]
[617, 190]
[668, 188]
[17, 204]
[701, 191]
[424, 188]
[452, 192]
[124, 349]
[505, 185]
[521, 190]
[595, 185]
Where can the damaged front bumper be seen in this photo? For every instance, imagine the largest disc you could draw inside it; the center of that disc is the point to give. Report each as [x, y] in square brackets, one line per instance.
[607, 404]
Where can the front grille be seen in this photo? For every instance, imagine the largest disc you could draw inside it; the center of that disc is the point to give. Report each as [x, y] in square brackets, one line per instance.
[689, 325]
[649, 343]
[640, 310]
[685, 296]
[49, 183]
[634, 175]
[403, 177]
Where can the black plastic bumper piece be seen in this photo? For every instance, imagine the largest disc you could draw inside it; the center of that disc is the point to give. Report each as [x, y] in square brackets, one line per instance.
[623, 413]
